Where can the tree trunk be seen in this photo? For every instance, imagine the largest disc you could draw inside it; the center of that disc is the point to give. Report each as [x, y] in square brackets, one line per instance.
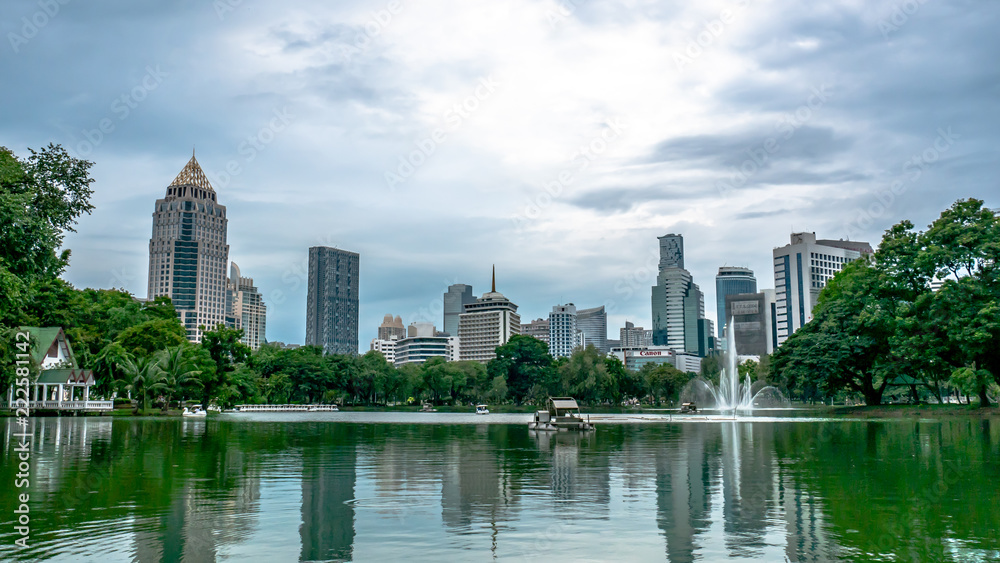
[984, 399]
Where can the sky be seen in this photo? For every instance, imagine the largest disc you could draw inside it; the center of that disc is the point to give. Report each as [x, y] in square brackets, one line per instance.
[554, 139]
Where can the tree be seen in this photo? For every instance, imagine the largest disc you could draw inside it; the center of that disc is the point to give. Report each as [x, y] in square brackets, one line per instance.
[149, 337]
[40, 198]
[585, 376]
[524, 362]
[177, 374]
[224, 347]
[140, 376]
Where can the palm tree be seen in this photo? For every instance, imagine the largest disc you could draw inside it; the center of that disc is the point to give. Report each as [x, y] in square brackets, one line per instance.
[142, 373]
[176, 371]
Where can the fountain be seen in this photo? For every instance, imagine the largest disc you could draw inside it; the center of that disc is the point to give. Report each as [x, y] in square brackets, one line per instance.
[732, 394]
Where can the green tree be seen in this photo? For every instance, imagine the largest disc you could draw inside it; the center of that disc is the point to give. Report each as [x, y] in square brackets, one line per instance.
[141, 375]
[149, 337]
[178, 374]
[524, 363]
[224, 347]
[41, 198]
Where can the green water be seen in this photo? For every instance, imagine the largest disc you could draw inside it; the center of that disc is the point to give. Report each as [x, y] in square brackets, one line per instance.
[442, 487]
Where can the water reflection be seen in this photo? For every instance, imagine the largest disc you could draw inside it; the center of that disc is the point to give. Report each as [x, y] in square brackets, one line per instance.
[200, 491]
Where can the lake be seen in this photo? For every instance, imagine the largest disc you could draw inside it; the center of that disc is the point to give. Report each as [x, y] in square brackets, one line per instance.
[437, 486]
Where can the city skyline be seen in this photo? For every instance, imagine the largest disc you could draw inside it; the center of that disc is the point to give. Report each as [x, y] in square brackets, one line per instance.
[298, 121]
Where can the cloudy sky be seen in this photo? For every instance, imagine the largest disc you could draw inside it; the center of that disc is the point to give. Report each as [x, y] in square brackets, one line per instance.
[554, 139]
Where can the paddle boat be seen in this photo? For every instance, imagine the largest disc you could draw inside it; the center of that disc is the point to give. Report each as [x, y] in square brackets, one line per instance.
[482, 409]
[195, 411]
[561, 414]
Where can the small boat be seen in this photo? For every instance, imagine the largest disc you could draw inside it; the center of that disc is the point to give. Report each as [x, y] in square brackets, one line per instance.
[324, 408]
[195, 411]
[427, 407]
[688, 408]
[482, 409]
[562, 414]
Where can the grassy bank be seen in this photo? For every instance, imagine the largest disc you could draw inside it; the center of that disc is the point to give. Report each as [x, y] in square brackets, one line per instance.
[911, 411]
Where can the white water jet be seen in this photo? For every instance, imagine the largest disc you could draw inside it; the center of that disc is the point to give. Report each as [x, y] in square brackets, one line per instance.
[732, 394]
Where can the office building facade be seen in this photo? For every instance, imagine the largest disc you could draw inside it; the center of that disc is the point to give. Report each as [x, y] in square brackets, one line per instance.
[801, 270]
[247, 310]
[754, 316]
[593, 323]
[632, 336]
[188, 253]
[538, 328]
[332, 303]
[731, 281]
[422, 343]
[455, 299]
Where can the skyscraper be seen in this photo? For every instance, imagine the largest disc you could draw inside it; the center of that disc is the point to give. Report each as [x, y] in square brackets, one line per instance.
[731, 281]
[489, 322]
[593, 323]
[391, 328]
[248, 310]
[677, 302]
[332, 305]
[563, 330]
[455, 299]
[796, 288]
[188, 254]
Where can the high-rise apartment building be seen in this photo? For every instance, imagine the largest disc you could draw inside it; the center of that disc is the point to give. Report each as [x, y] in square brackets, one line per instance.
[247, 309]
[455, 299]
[563, 331]
[634, 336]
[188, 254]
[677, 302]
[391, 328]
[593, 323]
[731, 281]
[385, 347]
[332, 304]
[489, 322]
[801, 270]
[538, 328]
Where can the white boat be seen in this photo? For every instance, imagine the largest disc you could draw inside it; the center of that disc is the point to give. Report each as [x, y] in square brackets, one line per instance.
[482, 409]
[195, 411]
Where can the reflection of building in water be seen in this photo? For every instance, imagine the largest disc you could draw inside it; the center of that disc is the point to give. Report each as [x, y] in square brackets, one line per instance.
[575, 475]
[474, 487]
[806, 537]
[328, 478]
[683, 483]
[748, 485]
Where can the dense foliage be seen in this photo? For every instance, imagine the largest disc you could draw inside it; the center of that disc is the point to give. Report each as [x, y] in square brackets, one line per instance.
[921, 313]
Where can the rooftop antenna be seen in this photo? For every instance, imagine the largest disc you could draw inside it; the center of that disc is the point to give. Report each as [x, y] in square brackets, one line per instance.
[494, 278]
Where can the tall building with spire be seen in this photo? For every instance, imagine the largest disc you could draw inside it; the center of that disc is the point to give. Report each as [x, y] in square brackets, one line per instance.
[188, 254]
[489, 322]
